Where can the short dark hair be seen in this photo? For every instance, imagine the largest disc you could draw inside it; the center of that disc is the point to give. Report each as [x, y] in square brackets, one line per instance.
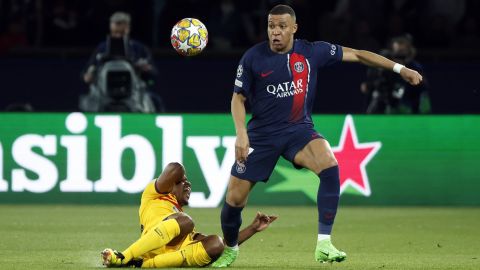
[282, 9]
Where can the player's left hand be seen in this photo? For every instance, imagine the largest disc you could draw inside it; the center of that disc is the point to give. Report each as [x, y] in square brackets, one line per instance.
[411, 76]
[262, 221]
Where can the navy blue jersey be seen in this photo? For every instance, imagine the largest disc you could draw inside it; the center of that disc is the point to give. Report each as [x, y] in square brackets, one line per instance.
[281, 87]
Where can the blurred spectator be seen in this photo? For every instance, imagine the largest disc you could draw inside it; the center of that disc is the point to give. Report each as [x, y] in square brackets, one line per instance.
[387, 92]
[158, 9]
[252, 21]
[13, 37]
[441, 19]
[363, 38]
[372, 11]
[452, 10]
[468, 34]
[19, 107]
[438, 33]
[406, 7]
[404, 17]
[340, 34]
[236, 23]
[62, 24]
[395, 26]
[307, 26]
[225, 26]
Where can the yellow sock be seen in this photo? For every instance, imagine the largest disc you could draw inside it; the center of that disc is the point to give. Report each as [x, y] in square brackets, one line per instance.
[170, 259]
[158, 237]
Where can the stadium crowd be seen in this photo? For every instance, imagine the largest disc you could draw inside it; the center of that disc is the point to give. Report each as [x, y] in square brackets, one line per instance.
[366, 24]
[439, 30]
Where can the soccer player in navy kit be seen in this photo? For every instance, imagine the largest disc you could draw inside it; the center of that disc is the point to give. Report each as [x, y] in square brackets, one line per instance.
[279, 79]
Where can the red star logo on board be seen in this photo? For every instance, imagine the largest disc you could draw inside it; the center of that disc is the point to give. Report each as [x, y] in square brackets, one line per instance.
[352, 157]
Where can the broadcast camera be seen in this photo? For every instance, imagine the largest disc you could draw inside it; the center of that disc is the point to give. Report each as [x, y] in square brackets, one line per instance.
[117, 86]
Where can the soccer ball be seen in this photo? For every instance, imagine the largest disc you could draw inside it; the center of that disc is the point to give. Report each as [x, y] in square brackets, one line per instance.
[189, 36]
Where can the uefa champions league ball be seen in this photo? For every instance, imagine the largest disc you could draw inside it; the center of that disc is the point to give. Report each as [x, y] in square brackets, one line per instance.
[189, 36]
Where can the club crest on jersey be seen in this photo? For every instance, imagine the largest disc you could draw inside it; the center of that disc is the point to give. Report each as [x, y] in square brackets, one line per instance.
[241, 168]
[298, 66]
[333, 50]
[239, 71]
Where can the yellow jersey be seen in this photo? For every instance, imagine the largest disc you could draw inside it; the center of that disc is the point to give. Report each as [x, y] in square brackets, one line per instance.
[154, 208]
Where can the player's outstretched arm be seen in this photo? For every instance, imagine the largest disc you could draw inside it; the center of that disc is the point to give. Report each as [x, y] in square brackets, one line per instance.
[173, 173]
[242, 143]
[375, 60]
[259, 223]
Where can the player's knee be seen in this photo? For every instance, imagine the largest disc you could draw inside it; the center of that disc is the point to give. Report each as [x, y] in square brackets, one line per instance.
[329, 162]
[237, 192]
[332, 161]
[213, 245]
[236, 201]
[185, 222]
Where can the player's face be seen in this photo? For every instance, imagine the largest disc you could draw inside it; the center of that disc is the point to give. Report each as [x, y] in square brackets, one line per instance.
[280, 32]
[119, 29]
[182, 191]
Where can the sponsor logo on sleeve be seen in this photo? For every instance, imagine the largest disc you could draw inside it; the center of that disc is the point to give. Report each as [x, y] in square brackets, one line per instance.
[239, 71]
[333, 50]
[238, 83]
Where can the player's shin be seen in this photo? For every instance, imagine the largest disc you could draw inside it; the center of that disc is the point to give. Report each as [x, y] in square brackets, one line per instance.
[327, 200]
[157, 237]
[231, 218]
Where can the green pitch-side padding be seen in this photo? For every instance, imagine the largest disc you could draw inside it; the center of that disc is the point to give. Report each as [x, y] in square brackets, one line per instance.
[109, 158]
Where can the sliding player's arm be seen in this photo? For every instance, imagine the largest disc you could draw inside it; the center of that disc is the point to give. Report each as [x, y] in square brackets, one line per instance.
[173, 173]
[242, 143]
[259, 223]
[374, 60]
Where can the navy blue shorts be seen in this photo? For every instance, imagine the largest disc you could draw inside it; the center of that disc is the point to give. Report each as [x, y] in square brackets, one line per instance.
[268, 149]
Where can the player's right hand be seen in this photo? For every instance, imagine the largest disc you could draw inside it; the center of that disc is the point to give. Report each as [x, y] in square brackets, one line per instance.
[242, 146]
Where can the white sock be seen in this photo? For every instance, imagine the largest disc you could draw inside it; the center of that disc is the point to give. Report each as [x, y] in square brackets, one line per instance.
[323, 237]
[234, 247]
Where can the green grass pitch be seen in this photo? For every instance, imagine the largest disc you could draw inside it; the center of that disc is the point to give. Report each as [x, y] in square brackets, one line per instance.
[71, 237]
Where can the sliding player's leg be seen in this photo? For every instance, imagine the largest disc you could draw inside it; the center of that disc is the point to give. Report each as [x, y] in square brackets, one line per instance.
[195, 254]
[176, 226]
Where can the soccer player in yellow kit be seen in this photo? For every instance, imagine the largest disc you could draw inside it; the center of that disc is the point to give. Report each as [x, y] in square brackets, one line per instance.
[168, 237]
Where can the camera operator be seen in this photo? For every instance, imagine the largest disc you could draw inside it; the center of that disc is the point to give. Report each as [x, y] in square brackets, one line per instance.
[119, 46]
[386, 93]
[138, 53]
